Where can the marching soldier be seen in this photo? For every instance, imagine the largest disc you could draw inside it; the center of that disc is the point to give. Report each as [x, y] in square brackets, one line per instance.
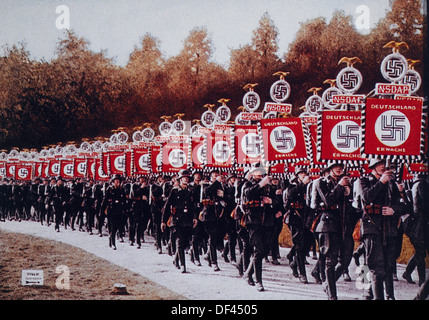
[278, 222]
[59, 197]
[227, 225]
[246, 249]
[330, 195]
[158, 201]
[88, 205]
[382, 203]
[213, 209]
[296, 217]
[260, 211]
[42, 193]
[139, 210]
[97, 197]
[418, 228]
[179, 214]
[114, 204]
[198, 234]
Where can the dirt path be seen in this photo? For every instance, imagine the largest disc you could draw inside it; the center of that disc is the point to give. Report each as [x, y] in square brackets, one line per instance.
[91, 278]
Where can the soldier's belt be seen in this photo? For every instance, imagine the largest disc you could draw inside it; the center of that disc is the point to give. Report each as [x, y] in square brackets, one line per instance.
[374, 209]
[207, 202]
[253, 204]
[333, 207]
[297, 205]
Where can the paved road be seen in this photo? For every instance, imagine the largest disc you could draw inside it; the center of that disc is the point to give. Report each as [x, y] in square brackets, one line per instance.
[203, 283]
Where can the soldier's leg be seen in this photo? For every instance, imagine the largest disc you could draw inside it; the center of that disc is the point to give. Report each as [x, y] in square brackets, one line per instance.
[375, 262]
[329, 247]
[132, 231]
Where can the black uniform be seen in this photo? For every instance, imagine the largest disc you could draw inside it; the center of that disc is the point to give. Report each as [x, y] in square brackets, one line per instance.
[59, 197]
[330, 197]
[259, 221]
[417, 228]
[114, 203]
[297, 213]
[178, 214]
[379, 232]
[138, 213]
[227, 223]
[213, 210]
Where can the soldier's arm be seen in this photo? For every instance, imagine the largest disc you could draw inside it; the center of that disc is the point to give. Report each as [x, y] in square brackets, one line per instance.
[371, 193]
[331, 197]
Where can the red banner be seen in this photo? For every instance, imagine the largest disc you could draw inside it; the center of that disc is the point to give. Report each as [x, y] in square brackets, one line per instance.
[198, 158]
[67, 169]
[90, 168]
[54, 168]
[2, 170]
[248, 145]
[393, 127]
[340, 134]
[219, 150]
[283, 139]
[142, 161]
[24, 172]
[156, 159]
[80, 167]
[99, 175]
[174, 157]
[10, 170]
[117, 163]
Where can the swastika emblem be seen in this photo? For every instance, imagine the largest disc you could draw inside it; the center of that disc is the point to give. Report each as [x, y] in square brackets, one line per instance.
[221, 151]
[251, 101]
[165, 128]
[223, 114]
[283, 139]
[251, 145]
[179, 126]
[349, 80]
[314, 104]
[280, 91]
[412, 78]
[392, 128]
[55, 168]
[144, 162]
[119, 163]
[68, 170]
[346, 136]
[148, 134]
[393, 67]
[81, 168]
[208, 118]
[22, 173]
[177, 158]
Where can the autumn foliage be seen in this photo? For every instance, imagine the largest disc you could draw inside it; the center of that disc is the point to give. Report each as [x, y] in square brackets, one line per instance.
[81, 93]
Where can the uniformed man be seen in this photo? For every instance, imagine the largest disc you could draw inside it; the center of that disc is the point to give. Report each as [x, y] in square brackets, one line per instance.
[278, 221]
[330, 195]
[227, 224]
[382, 203]
[139, 197]
[294, 199]
[114, 204]
[199, 235]
[87, 205]
[60, 195]
[213, 208]
[260, 210]
[417, 226]
[157, 203]
[41, 193]
[179, 214]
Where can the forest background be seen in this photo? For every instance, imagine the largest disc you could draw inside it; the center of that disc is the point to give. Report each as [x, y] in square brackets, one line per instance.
[84, 94]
